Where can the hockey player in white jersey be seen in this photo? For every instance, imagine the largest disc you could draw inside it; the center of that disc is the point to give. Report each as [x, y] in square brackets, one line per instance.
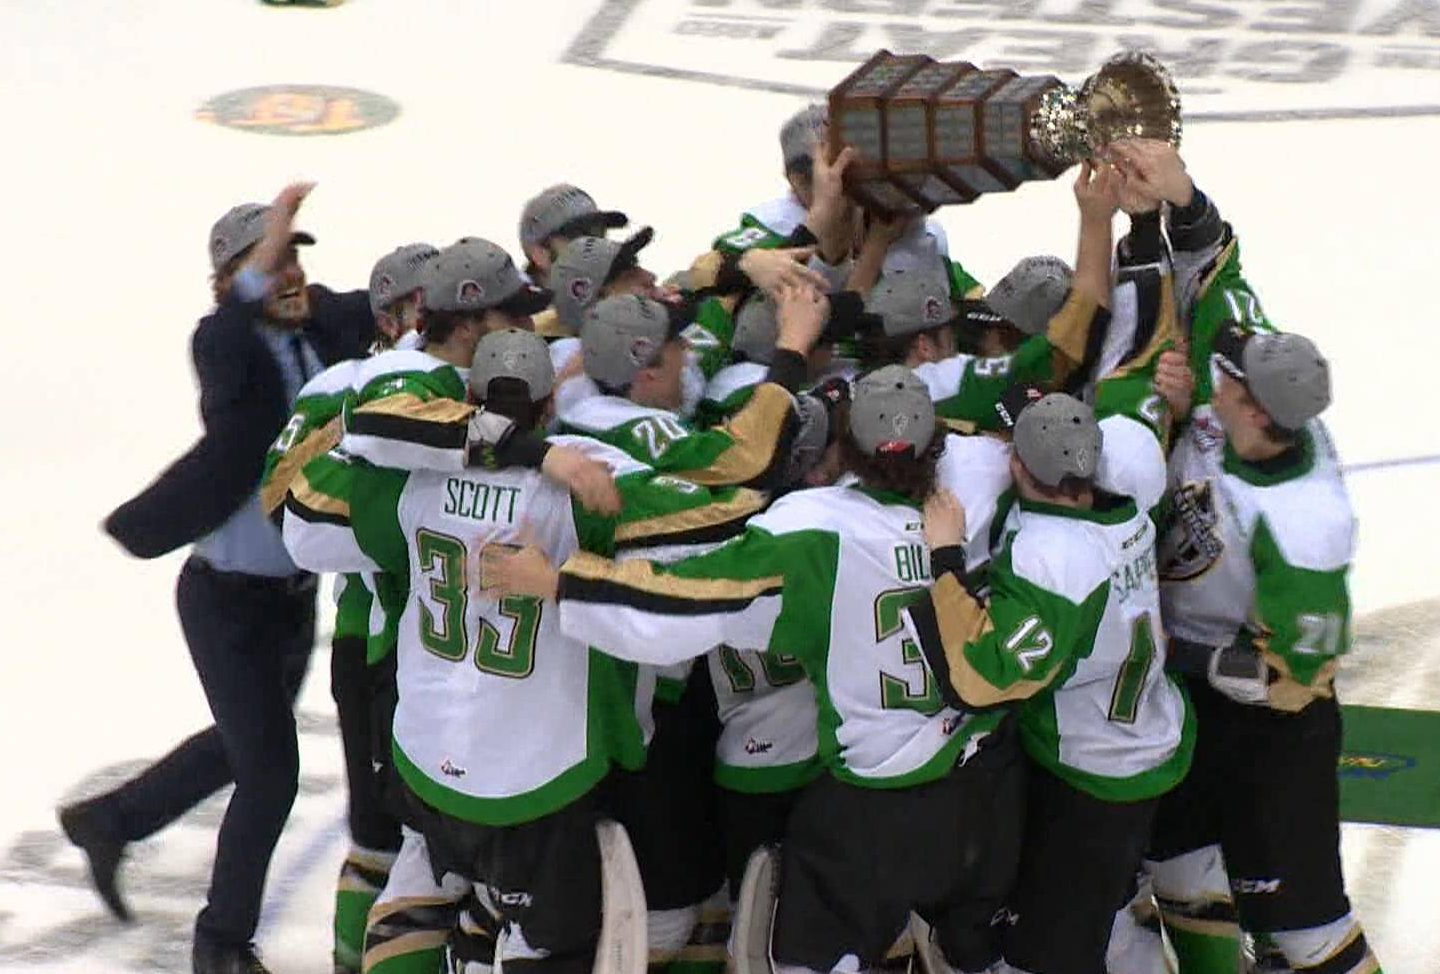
[1254, 591]
[824, 576]
[1072, 629]
[516, 818]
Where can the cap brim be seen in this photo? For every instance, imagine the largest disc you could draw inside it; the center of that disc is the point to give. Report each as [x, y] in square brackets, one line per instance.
[528, 300]
[978, 315]
[591, 224]
[1229, 349]
[628, 255]
[1014, 400]
[301, 239]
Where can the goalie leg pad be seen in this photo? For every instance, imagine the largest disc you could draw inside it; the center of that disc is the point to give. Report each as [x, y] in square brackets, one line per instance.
[755, 913]
[622, 947]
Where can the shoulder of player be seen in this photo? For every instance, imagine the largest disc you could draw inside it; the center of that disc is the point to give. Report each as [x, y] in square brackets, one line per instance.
[391, 372]
[940, 377]
[337, 379]
[1132, 462]
[978, 449]
[974, 463]
[596, 415]
[780, 215]
[621, 464]
[1309, 519]
[1058, 555]
[834, 509]
[734, 378]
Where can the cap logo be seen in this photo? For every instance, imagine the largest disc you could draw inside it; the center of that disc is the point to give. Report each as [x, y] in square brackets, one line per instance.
[933, 310]
[511, 361]
[383, 289]
[219, 245]
[900, 423]
[581, 289]
[642, 351]
[469, 292]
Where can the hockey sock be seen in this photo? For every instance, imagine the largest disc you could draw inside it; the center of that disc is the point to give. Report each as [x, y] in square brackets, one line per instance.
[408, 937]
[1193, 893]
[363, 875]
[1336, 948]
[668, 932]
[1204, 946]
[704, 952]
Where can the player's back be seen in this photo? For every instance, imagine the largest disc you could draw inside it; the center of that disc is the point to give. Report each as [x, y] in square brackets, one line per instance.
[500, 715]
[883, 722]
[1113, 723]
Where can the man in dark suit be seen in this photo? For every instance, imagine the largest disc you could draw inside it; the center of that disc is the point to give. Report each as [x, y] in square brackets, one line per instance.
[247, 612]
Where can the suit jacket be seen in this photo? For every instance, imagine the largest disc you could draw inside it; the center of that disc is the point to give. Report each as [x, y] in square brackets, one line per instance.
[244, 406]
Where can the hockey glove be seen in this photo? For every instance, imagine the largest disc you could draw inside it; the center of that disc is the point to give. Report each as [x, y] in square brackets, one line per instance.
[1240, 673]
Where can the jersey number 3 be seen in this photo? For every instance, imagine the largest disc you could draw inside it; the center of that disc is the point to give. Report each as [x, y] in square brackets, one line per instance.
[896, 693]
[443, 560]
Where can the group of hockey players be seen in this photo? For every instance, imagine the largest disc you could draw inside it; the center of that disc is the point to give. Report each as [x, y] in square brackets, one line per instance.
[820, 609]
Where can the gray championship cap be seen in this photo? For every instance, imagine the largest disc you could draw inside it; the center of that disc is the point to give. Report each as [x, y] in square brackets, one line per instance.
[800, 132]
[757, 329]
[398, 273]
[1030, 295]
[1058, 437]
[910, 301]
[512, 354]
[891, 413]
[623, 335]
[476, 275]
[240, 229]
[566, 210]
[1285, 373]
[585, 266]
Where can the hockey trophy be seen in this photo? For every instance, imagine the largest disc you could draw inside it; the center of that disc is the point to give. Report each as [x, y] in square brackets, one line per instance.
[929, 133]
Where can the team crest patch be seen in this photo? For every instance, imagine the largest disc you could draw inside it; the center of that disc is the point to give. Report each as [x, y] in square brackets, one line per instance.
[933, 311]
[1191, 542]
[642, 351]
[581, 288]
[469, 293]
[299, 110]
[511, 361]
[384, 289]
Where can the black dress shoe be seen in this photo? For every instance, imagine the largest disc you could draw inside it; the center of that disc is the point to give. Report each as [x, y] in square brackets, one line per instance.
[84, 825]
[209, 957]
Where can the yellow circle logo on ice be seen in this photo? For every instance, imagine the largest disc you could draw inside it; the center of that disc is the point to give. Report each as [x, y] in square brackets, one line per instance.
[299, 110]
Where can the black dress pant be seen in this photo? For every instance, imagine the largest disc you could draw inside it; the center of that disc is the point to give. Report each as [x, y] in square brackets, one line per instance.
[250, 638]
